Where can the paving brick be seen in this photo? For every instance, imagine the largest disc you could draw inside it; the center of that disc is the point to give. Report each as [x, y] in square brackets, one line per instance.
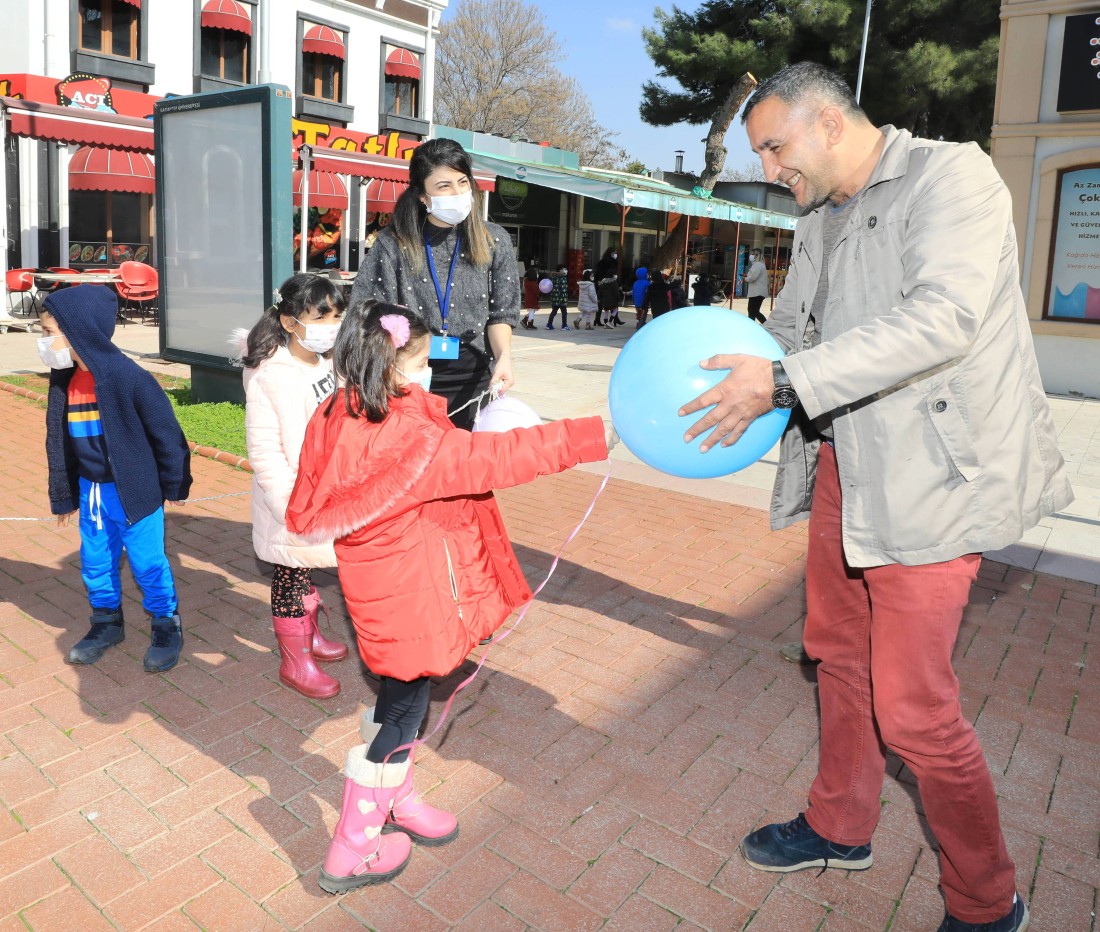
[22, 888]
[55, 803]
[695, 901]
[681, 854]
[226, 907]
[547, 860]
[99, 869]
[254, 869]
[211, 791]
[467, 883]
[639, 913]
[489, 917]
[161, 894]
[542, 907]
[66, 909]
[611, 879]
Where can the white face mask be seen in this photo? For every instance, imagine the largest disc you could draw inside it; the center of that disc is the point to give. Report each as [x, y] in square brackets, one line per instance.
[452, 208]
[319, 338]
[55, 359]
[423, 378]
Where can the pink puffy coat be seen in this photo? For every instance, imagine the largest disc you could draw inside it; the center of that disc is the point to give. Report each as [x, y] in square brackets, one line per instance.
[425, 563]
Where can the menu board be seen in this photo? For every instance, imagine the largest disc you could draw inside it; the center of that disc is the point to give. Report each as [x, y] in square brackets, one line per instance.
[103, 254]
[1073, 285]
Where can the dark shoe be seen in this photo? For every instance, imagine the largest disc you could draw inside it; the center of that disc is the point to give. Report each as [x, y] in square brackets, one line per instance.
[549, 326]
[1016, 920]
[107, 630]
[164, 650]
[486, 640]
[795, 653]
[794, 846]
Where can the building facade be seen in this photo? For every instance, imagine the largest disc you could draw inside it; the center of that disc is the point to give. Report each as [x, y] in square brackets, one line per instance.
[361, 74]
[1046, 145]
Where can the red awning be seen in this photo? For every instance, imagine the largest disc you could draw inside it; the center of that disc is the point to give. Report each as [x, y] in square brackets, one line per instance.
[345, 162]
[73, 125]
[96, 169]
[226, 14]
[382, 195]
[325, 190]
[401, 63]
[323, 41]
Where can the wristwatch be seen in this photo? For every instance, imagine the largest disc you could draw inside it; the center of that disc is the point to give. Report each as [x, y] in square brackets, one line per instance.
[783, 395]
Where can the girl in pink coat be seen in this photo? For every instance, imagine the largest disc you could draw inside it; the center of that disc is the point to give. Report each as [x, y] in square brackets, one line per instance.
[286, 376]
[424, 558]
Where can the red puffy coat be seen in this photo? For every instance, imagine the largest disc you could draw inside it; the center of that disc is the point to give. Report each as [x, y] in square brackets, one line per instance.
[424, 558]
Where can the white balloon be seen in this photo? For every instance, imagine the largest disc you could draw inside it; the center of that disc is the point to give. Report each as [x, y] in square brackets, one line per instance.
[506, 413]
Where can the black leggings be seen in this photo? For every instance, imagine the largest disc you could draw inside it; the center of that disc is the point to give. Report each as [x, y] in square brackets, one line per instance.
[755, 303]
[400, 710]
[564, 315]
[289, 586]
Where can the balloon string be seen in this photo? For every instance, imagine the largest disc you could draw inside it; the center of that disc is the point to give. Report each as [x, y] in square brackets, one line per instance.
[509, 629]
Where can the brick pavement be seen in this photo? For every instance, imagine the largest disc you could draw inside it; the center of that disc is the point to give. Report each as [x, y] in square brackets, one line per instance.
[604, 768]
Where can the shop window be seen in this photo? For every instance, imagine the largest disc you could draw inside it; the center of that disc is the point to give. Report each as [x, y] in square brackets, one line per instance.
[225, 54]
[109, 27]
[108, 227]
[321, 75]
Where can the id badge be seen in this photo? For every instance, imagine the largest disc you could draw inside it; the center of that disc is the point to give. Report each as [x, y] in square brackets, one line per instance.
[443, 347]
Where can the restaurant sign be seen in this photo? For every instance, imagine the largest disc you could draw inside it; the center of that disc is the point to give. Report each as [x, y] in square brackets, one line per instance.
[393, 145]
[85, 92]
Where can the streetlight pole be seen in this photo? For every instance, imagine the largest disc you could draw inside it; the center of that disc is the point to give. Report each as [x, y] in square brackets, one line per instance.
[863, 49]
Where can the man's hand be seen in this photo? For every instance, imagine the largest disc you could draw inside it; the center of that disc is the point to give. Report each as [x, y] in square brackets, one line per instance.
[738, 400]
[63, 520]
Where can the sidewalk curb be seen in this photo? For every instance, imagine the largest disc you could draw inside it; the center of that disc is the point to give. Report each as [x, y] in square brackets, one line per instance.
[229, 459]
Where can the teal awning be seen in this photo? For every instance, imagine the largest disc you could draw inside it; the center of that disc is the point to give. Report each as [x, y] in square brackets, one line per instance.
[627, 190]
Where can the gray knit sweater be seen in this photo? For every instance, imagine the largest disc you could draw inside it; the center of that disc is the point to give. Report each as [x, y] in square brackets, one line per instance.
[479, 297]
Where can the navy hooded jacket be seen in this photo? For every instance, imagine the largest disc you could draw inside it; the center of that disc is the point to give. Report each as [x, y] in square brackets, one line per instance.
[641, 286]
[149, 458]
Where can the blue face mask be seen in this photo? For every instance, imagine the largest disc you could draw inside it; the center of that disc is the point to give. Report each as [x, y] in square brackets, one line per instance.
[423, 378]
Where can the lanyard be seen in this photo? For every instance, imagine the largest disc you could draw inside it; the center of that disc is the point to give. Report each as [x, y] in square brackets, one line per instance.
[443, 297]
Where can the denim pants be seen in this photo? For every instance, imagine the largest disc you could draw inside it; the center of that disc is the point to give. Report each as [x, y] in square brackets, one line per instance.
[884, 637]
[104, 534]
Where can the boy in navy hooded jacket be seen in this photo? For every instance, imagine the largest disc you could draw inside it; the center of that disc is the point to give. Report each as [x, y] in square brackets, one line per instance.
[116, 453]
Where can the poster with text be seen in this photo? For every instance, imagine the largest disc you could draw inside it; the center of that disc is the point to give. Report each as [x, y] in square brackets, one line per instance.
[1074, 289]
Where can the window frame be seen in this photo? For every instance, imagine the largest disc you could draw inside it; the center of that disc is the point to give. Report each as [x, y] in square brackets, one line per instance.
[108, 9]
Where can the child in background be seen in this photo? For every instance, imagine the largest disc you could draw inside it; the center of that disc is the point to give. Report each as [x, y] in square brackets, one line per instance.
[531, 297]
[587, 302]
[424, 558]
[641, 291]
[610, 295]
[115, 452]
[286, 376]
[559, 297]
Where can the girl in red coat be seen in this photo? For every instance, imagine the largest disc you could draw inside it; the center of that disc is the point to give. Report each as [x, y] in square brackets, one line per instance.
[424, 558]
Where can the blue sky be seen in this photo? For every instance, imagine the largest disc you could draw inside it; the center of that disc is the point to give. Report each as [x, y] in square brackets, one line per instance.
[602, 43]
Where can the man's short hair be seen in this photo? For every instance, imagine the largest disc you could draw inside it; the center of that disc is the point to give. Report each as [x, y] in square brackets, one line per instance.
[803, 81]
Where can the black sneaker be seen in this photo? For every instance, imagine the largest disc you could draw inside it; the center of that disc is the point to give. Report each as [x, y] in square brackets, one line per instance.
[107, 630]
[794, 846]
[164, 648]
[1016, 920]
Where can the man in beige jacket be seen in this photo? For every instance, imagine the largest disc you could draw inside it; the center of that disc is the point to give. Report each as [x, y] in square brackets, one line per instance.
[920, 436]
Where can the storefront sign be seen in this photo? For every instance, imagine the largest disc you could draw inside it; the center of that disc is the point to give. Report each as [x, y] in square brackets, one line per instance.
[519, 202]
[393, 145]
[1079, 82]
[1073, 284]
[604, 214]
[85, 92]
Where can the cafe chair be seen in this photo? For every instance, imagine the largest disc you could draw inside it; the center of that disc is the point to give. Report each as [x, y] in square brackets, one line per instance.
[44, 288]
[21, 282]
[139, 288]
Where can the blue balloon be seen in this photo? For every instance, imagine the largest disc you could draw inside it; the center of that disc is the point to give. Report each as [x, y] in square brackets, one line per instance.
[658, 372]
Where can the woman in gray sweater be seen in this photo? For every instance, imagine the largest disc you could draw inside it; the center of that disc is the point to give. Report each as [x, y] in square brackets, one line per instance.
[440, 259]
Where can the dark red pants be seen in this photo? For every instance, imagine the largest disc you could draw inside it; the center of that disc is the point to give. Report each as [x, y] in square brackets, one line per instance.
[884, 637]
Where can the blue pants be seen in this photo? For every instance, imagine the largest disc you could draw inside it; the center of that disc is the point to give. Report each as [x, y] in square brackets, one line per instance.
[104, 533]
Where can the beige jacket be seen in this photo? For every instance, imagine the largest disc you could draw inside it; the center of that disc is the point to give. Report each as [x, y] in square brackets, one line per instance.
[944, 438]
[281, 394]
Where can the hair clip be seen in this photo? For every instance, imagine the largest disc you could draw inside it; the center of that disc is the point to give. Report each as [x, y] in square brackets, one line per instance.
[275, 297]
[397, 326]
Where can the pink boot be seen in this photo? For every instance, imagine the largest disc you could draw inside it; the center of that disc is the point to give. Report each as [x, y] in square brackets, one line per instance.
[409, 814]
[323, 649]
[359, 853]
[298, 669]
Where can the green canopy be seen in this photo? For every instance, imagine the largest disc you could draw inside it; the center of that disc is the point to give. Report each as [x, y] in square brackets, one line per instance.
[628, 190]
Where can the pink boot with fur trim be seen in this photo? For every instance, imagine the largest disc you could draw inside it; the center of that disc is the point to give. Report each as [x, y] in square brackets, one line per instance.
[359, 853]
[323, 649]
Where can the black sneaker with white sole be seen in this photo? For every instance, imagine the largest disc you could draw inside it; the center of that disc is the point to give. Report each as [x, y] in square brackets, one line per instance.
[794, 846]
[1015, 920]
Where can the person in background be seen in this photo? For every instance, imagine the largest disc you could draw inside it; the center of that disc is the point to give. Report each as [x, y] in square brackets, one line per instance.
[608, 264]
[424, 558]
[286, 376]
[443, 261]
[587, 302]
[532, 297]
[610, 297]
[639, 294]
[115, 453]
[677, 297]
[756, 282]
[701, 290]
[559, 297]
[658, 298]
[920, 437]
